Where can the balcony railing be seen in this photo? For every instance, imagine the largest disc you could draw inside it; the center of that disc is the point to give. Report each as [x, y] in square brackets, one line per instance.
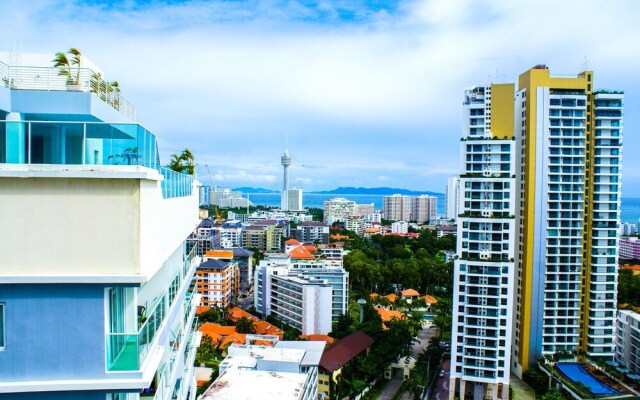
[18, 77]
[87, 143]
[127, 351]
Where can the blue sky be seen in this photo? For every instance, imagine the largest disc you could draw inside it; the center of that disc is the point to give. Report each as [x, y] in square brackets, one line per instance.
[365, 93]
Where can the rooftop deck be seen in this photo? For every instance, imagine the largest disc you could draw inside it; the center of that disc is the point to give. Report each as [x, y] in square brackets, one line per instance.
[20, 77]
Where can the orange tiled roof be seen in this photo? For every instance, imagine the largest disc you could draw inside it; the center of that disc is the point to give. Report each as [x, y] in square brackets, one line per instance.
[392, 297]
[265, 328]
[201, 382]
[410, 293]
[387, 314]
[310, 248]
[201, 309]
[299, 253]
[211, 329]
[371, 230]
[374, 296]
[631, 267]
[235, 337]
[218, 254]
[430, 299]
[291, 241]
[236, 313]
[323, 338]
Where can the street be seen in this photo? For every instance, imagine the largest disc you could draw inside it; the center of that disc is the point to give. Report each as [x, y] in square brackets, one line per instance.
[421, 342]
[441, 390]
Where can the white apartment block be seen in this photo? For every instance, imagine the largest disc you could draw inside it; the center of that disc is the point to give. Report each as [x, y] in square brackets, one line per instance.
[397, 207]
[365, 209]
[424, 208]
[399, 227]
[484, 272]
[452, 197]
[338, 209]
[307, 294]
[627, 229]
[628, 340]
[295, 200]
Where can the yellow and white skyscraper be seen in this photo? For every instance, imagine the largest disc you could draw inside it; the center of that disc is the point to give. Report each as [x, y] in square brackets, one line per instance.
[555, 286]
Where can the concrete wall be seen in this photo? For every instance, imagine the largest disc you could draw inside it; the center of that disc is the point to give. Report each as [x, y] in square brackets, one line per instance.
[53, 332]
[69, 226]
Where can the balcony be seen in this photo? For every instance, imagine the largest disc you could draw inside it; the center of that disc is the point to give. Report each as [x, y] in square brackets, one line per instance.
[18, 77]
[88, 143]
[128, 351]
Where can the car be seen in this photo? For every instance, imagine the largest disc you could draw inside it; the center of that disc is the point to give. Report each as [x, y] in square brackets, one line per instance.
[441, 373]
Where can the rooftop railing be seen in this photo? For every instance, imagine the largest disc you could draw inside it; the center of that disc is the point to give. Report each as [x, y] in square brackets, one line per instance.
[87, 143]
[18, 77]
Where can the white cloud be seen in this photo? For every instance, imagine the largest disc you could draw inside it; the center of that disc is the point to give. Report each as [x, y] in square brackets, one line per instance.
[378, 96]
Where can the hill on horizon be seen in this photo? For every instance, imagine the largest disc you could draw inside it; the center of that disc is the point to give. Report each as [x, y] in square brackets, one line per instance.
[349, 190]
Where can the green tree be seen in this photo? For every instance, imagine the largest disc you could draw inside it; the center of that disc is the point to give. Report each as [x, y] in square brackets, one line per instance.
[245, 325]
[64, 63]
[552, 394]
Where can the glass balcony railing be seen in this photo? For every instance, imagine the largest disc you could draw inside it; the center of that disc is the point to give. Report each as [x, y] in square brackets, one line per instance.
[87, 143]
[127, 351]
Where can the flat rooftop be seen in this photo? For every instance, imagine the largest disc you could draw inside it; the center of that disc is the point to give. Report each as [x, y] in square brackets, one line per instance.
[234, 384]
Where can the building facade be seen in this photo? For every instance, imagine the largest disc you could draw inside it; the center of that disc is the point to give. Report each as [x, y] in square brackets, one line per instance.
[218, 279]
[628, 340]
[566, 171]
[312, 231]
[484, 272]
[452, 197]
[396, 207]
[110, 281]
[338, 209]
[424, 208]
[295, 200]
[569, 139]
[629, 248]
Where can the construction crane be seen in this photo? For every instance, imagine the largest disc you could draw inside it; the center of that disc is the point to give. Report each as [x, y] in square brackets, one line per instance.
[215, 207]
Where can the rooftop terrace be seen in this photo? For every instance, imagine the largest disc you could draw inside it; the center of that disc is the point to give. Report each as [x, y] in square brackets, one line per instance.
[22, 77]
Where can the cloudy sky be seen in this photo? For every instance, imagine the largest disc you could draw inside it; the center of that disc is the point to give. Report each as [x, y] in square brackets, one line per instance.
[363, 93]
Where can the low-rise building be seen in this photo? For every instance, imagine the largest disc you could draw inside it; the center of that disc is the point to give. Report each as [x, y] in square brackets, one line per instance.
[628, 340]
[629, 248]
[400, 227]
[337, 356]
[287, 370]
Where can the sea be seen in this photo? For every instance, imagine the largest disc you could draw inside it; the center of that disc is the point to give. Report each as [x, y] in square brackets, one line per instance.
[630, 206]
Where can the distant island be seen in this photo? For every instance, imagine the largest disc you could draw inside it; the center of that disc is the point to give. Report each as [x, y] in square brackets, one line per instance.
[349, 190]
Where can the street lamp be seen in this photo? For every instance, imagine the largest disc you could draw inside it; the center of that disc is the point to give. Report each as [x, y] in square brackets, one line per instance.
[361, 302]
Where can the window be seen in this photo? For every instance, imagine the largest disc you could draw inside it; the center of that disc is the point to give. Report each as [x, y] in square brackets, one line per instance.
[2, 334]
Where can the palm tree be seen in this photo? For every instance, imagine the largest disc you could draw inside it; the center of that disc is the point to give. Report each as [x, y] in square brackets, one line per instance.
[188, 158]
[62, 61]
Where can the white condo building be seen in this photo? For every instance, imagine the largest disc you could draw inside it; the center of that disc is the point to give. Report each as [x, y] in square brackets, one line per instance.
[452, 197]
[396, 207]
[338, 209]
[96, 303]
[484, 272]
[295, 200]
[424, 208]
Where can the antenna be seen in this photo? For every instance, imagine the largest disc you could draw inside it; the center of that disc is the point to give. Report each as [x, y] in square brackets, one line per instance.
[585, 65]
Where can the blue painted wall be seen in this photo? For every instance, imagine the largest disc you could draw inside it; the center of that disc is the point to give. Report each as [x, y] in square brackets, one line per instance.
[53, 332]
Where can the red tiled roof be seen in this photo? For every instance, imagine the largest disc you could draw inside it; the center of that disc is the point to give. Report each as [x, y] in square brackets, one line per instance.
[344, 351]
[430, 299]
[310, 248]
[236, 313]
[291, 241]
[387, 315]
[201, 309]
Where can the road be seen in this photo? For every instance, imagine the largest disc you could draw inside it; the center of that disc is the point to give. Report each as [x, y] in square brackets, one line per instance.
[441, 390]
[421, 342]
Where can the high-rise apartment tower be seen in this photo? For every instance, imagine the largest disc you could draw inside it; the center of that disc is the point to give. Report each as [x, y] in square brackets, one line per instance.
[549, 214]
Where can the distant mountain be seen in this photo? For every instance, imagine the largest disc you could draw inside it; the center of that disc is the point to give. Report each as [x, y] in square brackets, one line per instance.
[378, 190]
[246, 189]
